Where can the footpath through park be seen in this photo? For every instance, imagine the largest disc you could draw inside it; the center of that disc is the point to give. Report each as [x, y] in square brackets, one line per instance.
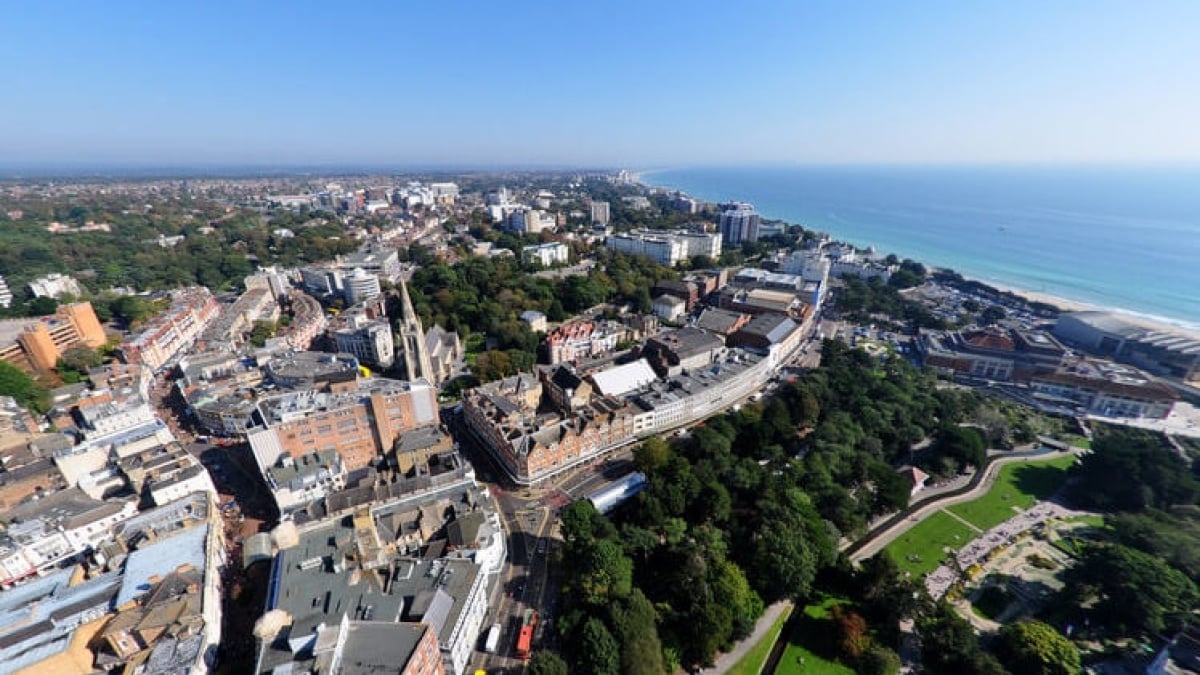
[890, 529]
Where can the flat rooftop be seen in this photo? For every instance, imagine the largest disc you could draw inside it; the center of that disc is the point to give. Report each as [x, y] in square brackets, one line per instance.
[318, 581]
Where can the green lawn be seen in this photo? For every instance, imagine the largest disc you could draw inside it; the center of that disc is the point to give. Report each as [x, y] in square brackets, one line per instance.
[798, 657]
[752, 662]
[1092, 519]
[921, 549]
[1018, 485]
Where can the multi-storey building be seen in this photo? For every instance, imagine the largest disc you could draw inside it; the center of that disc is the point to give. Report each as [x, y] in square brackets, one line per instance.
[739, 223]
[360, 424]
[166, 473]
[546, 254]
[297, 482]
[600, 213]
[44, 532]
[35, 345]
[534, 439]
[343, 570]
[666, 247]
[361, 286]
[313, 370]
[169, 333]
[308, 321]
[6, 296]
[378, 262]
[228, 331]
[54, 286]
[1106, 388]
[991, 353]
[369, 341]
[582, 339]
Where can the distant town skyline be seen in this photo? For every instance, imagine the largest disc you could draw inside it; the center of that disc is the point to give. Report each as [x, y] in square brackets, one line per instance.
[490, 85]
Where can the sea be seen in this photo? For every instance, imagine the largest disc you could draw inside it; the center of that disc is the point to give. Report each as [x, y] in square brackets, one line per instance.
[1123, 238]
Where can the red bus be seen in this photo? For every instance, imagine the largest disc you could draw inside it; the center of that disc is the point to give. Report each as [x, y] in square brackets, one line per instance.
[525, 636]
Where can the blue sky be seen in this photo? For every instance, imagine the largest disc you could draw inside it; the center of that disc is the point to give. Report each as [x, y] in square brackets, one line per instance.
[640, 84]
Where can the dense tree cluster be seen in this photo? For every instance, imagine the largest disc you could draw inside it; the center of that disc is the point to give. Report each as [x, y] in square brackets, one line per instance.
[28, 393]
[1036, 648]
[218, 250]
[1130, 470]
[485, 297]
[861, 300]
[1143, 582]
[748, 510]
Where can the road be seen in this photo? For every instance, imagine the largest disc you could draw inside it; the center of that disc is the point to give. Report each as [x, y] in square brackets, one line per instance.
[529, 516]
[929, 507]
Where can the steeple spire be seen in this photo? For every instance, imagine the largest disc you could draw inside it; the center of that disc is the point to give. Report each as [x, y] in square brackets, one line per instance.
[412, 340]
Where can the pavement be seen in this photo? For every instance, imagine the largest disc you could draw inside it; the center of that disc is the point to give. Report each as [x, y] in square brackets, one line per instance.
[726, 661]
[929, 507]
[1184, 420]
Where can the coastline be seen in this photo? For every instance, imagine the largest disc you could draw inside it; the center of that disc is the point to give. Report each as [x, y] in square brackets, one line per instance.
[1148, 321]
[1067, 305]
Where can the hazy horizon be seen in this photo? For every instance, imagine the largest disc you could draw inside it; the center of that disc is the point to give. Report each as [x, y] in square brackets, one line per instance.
[620, 84]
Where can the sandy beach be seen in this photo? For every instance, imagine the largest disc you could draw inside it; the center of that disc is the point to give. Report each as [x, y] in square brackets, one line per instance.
[1150, 323]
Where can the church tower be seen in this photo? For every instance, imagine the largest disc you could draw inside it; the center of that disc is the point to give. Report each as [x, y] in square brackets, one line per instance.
[412, 341]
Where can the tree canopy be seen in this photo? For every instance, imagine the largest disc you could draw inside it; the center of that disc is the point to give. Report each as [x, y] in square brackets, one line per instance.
[1036, 648]
[22, 387]
[1130, 470]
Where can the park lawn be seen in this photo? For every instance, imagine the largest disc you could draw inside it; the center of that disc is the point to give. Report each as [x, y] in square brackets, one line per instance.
[797, 657]
[927, 541]
[1019, 485]
[1092, 519]
[752, 662]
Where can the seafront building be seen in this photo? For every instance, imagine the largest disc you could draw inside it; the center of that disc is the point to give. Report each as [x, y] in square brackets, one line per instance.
[991, 353]
[1045, 374]
[1105, 388]
[1162, 352]
[738, 223]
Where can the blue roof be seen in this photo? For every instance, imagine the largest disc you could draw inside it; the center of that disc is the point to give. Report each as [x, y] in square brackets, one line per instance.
[161, 558]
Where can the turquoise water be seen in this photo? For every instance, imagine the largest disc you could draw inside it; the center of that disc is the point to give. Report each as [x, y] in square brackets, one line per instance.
[1124, 238]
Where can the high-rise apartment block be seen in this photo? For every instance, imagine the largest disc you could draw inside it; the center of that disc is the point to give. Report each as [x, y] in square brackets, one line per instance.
[600, 213]
[739, 223]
